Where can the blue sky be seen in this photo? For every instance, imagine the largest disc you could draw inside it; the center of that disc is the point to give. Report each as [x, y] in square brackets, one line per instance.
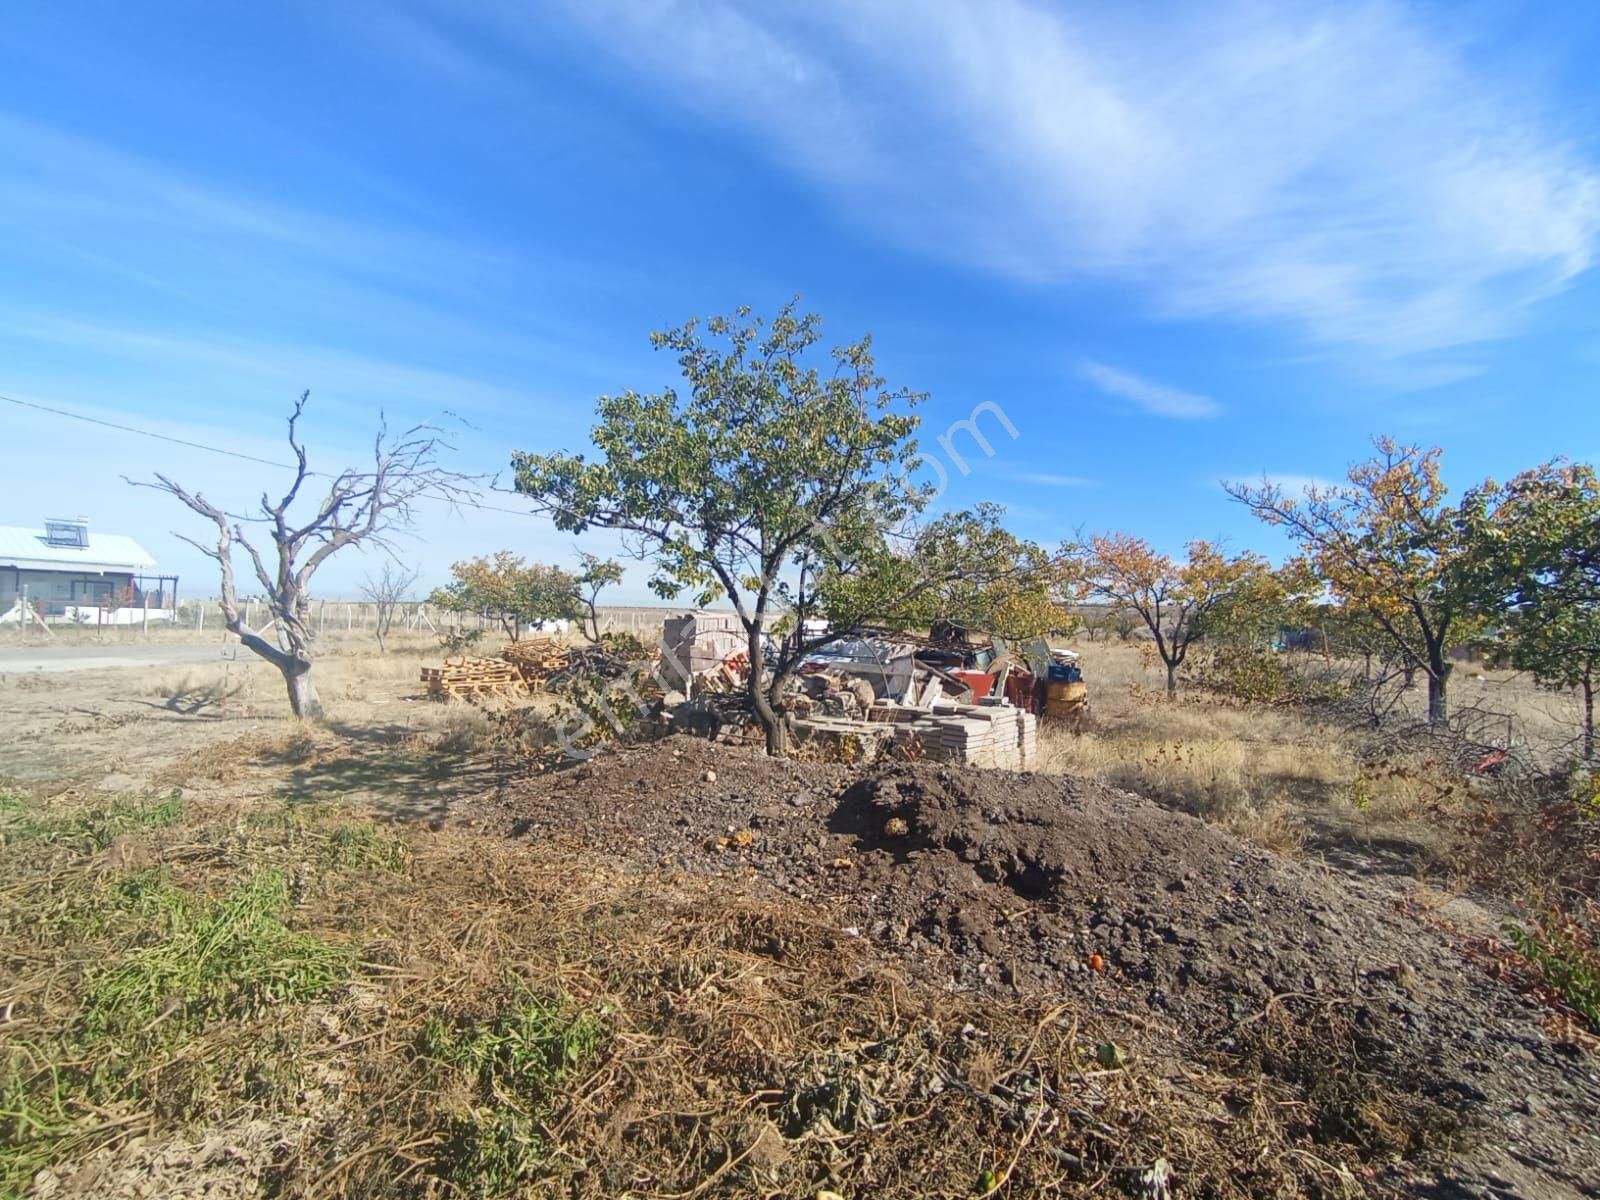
[1175, 243]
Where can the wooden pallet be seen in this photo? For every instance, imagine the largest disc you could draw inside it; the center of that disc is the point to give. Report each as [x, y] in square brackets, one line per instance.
[536, 659]
[470, 678]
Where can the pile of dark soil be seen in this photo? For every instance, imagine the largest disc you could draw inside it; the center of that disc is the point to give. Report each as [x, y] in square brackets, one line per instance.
[1440, 1077]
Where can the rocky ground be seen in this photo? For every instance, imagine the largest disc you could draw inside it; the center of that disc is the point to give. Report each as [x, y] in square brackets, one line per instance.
[1365, 995]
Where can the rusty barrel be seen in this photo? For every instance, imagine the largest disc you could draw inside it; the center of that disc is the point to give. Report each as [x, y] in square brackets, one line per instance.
[1064, 699]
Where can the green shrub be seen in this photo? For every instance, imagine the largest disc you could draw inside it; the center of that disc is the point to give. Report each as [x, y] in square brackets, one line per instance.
[1561, 944]
[89, 829]
[232, 957]
[512, 1067]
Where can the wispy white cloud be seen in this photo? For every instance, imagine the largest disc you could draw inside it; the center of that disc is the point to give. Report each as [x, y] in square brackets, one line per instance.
[1050, 479]
[1156, 398]
[233, 257]
[53, 179]
[1350, 170]
[354, 381]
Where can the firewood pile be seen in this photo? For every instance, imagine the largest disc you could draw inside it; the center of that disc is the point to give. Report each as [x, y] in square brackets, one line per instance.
[726, 677]
[588, 662]
[472, 678]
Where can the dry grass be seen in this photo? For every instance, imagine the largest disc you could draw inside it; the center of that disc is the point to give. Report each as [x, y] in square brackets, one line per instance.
[226, 761]
[429, 1015]
[345, 671]
[1267, 773]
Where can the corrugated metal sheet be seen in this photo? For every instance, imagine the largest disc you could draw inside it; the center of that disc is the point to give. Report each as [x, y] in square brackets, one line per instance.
[26, 548]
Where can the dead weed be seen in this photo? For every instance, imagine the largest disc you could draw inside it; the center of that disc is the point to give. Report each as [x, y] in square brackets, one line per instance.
[229, 760]
[468, 1016]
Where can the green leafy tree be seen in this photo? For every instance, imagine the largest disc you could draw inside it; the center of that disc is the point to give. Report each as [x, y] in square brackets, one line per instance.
[1388, 545]
[782, 479]
[964, 567]
[1534, 554]
[1263, 606]
[506, 588]
[597, 575]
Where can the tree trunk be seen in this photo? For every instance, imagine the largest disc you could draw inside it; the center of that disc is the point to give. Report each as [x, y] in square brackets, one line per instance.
[1438, 707]
[760, 699]
[1588, 716]
[1172, 678]
[295, 669]
[302, 692]
[1438, 679]
[777, 737]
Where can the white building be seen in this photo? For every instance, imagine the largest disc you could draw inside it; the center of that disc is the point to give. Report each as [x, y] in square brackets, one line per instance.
[65, 571]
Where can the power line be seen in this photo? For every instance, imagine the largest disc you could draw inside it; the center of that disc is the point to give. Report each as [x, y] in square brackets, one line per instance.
[177, 441]
[61, 412]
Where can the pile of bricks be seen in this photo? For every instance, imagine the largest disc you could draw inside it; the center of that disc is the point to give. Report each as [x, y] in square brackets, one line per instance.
[990, 733]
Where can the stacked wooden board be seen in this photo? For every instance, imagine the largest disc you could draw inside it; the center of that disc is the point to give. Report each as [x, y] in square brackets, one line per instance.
[536, 659]
[471, 678]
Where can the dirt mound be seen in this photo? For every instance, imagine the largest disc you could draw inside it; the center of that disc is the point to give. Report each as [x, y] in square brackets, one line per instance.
[1028, 884]
[1041, 875]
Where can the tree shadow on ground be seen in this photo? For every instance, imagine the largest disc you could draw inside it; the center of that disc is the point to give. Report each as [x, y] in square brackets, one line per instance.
[1366, 854]
[382, 768]
[202, 709]
[1344, 840]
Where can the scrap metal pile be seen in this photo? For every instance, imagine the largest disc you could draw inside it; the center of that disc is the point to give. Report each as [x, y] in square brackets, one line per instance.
[939, 696]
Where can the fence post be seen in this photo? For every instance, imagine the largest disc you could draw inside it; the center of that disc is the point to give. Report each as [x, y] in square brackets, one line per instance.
[199, 615]
[144, 621]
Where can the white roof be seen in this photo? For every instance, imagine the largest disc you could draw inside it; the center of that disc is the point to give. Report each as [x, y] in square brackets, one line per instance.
[26, 548]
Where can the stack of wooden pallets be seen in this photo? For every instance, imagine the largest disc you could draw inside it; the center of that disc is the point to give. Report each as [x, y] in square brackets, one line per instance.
[471, 678]
[536, 659]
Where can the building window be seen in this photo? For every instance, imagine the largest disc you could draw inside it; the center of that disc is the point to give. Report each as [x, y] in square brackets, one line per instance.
[66, 533]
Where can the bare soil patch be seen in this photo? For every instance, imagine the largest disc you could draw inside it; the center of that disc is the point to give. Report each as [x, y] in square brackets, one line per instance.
[1004, 885]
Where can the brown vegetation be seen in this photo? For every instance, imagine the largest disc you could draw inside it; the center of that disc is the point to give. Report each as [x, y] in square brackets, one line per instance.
[672, 979]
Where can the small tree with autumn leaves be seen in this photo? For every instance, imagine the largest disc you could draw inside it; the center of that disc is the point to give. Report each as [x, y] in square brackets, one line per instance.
[1387, 545]
[506, 588]
[1175, 599]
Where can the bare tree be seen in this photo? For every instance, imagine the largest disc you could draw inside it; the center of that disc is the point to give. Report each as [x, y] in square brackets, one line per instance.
[386, 592]
[364, 506]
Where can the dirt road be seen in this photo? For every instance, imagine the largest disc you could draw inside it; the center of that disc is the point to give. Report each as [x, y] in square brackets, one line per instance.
[17, 659]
